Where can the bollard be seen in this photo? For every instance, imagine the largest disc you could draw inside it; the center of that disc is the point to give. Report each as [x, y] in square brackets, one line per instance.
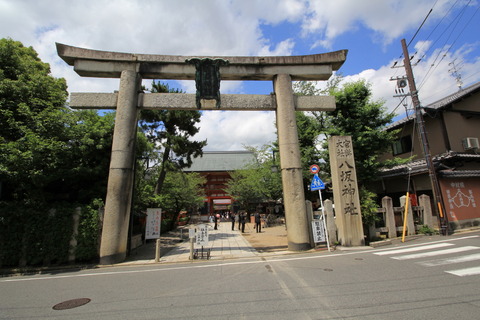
[157, 251]
[191, 248]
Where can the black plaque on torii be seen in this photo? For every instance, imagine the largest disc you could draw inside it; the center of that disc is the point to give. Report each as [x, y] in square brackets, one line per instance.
[207, 79]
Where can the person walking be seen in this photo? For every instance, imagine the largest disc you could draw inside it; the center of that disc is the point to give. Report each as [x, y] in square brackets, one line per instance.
[238, 218]
[233, 218]
[258, 222]
[243, 220]
[217, 217]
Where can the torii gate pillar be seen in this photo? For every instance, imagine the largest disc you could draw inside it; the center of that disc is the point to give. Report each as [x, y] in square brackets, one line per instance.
[130, 68]
[290, 165]
[121, 173]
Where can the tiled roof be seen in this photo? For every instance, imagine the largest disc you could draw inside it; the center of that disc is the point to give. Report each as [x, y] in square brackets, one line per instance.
[420, 166]
[460, 173]
[438, 104]
[221, 161]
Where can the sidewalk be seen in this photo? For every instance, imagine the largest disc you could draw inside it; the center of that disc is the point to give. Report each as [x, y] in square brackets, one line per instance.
[223, 244]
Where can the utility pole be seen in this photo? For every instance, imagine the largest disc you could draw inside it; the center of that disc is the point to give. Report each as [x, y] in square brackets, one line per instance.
[437, 195]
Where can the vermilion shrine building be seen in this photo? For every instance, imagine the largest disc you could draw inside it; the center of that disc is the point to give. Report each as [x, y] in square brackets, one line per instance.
[216, 167]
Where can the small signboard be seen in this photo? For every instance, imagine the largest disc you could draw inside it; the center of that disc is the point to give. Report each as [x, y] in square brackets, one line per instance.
[319, 234]
[317, 183]
[154, 219]
[201, 236]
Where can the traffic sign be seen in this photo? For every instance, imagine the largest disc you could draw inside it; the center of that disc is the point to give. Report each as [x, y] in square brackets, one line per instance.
[317, 183]
[314, 168]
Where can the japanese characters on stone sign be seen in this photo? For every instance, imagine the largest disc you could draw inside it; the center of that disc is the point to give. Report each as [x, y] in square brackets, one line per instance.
[345, 191]
[152, 227]
[348, 175]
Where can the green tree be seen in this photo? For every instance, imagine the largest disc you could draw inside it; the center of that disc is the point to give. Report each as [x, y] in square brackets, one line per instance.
[34, 121]
[52, 160]
[172, 131]
[356, 115]
[256, 182]
[182, 191]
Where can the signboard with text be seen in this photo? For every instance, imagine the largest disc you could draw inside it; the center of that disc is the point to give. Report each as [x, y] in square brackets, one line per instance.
[201, 236]
[154, 220]
[318, 231]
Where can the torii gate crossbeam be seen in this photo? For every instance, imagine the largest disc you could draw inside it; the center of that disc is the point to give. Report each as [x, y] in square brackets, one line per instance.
[132, 68]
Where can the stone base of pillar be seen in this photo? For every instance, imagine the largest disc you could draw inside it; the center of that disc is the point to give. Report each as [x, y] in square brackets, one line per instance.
[299, 246]
[113, 259]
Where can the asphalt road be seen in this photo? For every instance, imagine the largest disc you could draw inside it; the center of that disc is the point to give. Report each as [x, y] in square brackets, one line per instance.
[432, 278]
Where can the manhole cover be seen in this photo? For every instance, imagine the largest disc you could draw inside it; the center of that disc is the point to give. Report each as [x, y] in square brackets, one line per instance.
[327, 269]
[358, 258]
[70, 304]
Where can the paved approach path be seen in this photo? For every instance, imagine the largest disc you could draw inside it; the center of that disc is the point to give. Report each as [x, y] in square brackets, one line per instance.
[223, 244]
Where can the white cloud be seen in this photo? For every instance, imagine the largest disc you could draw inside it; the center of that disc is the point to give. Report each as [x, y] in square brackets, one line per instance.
[231, 130]
[385, 19]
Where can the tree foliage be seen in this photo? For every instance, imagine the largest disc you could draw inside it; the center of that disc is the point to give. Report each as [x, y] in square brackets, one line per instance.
[171, 131]
[52, 160]
[256, 182]
[182, 191]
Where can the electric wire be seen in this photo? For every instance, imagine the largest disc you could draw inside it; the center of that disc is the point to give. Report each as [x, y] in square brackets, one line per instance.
[445, 52]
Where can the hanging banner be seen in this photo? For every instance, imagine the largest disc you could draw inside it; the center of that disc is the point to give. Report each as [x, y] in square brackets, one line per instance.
[154, 220]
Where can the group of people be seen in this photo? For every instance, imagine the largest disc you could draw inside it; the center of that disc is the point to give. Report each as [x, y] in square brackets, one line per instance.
[241, 219]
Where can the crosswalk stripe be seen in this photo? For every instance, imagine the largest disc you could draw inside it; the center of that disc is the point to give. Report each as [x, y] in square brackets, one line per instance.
[413, 249]
[465, 272]
[435, 253]
[442, 262]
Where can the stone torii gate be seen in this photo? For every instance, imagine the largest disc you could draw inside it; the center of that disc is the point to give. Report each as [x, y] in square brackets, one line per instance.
[132, 68]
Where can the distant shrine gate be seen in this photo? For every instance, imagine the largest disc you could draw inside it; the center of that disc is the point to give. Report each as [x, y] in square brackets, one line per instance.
[132, 68]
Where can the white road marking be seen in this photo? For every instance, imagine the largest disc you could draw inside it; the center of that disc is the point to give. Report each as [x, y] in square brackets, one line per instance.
[465, 272]
[442, 262]
[426, 247]
[435, 253]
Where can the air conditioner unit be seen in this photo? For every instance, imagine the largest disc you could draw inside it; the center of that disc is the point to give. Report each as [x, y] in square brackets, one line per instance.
[470, 143]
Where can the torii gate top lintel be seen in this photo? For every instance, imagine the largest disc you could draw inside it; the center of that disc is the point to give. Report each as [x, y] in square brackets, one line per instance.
[107, 64]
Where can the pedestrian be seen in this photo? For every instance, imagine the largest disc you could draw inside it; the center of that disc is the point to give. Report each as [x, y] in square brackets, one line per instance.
[216, 221]
[232, 218]
[243, 220]
[238, 218]
[258, 222]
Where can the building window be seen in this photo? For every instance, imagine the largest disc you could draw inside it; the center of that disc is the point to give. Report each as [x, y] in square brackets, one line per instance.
[402, 145]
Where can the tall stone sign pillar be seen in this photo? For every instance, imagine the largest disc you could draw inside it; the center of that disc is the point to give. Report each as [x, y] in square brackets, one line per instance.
[291, 167]
[113, 248]
[345, 191]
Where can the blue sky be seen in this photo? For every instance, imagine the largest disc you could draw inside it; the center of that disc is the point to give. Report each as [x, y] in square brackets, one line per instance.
[370, 29]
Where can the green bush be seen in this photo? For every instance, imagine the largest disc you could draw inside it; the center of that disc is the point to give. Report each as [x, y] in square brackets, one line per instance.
[35, 234]
[39, 234]
[426, 230]
[88, 232]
